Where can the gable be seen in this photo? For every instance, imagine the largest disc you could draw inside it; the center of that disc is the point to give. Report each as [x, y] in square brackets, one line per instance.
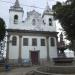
[33, 15]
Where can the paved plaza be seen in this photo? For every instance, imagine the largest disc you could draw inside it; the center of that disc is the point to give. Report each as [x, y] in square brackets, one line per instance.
[19, 71]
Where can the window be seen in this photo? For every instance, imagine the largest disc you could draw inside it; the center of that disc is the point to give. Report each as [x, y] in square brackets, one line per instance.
[25, 41]
[42, 42]
[15, 19]
[52, 42]
[34, 42]
[14, 41]
[50, 22]
[33, 22]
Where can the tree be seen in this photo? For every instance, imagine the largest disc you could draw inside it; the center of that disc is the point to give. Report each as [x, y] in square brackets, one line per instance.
[2, 29]
[65, 13]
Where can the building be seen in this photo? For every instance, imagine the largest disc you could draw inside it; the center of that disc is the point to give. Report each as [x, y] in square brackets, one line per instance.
[33, 40]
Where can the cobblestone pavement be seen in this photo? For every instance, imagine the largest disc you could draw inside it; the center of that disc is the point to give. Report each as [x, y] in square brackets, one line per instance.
[19, 71]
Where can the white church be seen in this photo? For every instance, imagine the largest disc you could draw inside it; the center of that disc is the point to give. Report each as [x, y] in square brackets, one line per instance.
[33, 40]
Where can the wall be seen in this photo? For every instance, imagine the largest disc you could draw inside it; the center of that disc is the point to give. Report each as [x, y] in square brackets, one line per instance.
[46, 20]
[26, 49]
[14, 50]
[27, 24]
[11, 19]
[53, 49]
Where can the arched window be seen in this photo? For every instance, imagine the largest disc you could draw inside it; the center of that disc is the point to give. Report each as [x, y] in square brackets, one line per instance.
[14, 40]
[50, 22]
[52, 42]
[33, 22]
[15, 19]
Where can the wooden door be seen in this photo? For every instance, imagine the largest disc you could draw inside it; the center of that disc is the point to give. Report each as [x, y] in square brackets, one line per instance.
[34, 57]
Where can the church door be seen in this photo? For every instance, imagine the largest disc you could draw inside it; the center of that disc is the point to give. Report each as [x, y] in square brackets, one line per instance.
[34, 57]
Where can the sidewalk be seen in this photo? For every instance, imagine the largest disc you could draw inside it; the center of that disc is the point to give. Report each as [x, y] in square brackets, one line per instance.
[19, 71]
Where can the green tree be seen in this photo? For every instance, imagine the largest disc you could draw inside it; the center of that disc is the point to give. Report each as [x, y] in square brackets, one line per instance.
[2, 29]
[65, 13]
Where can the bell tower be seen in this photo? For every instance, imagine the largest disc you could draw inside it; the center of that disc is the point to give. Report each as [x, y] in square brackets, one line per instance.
[16, 14]
[48, 18]
[47, 15]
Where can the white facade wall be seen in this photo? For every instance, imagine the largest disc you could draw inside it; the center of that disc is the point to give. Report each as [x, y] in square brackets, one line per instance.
[27, 24]
[14, 50]
[25, 50]
[11, 19]
[52, 49]
[47, 26]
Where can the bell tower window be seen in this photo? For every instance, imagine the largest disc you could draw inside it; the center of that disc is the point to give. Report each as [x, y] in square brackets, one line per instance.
[50, 22]
[16, 19]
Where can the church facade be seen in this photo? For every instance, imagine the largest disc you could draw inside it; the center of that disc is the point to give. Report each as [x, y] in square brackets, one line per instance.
[33, 40]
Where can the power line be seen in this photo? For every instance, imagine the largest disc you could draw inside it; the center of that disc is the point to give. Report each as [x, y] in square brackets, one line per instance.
[25, 5]
[22, 4]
